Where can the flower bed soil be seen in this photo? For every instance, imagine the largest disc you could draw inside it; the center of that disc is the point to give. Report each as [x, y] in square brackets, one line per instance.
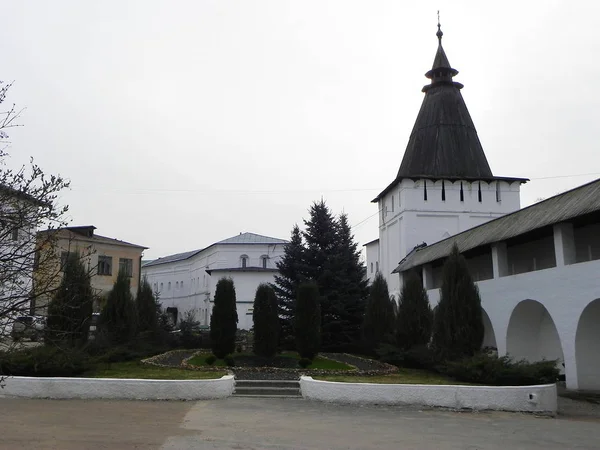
[362, 366]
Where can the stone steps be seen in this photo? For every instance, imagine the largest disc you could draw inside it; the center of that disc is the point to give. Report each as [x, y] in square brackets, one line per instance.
[267, 388]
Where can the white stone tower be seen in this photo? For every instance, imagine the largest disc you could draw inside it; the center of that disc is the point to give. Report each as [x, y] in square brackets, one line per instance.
[444, 184]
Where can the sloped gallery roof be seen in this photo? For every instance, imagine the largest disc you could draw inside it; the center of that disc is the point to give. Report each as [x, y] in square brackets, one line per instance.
[242, 238]
[444, 142]
[566, 206]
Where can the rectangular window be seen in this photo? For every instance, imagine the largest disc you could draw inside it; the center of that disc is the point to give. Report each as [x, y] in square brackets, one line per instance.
[15, 234]
[104, 265]
[498, 192]
[371, 267]
[63, 260]
[393, 203]
[377, 266]
[126, 265]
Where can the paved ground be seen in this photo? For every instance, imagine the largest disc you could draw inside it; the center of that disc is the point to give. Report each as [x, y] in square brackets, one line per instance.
[251, 423]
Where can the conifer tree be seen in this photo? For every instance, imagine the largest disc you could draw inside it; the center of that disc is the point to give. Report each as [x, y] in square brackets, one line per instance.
[290, 274]
[147, 308]
[224, 319]
[118, 319]
[415, 317]
[321, 239]
[332, 260]
[458, 324]
[70, 310]
[307, 320]
[266, 321]
[378, 325]
[351, 285]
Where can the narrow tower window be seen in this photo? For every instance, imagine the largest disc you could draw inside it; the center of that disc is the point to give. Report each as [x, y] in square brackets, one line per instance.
[425, 190]
[462, 193]
[498, 192]
[479, 192]
[443, 191]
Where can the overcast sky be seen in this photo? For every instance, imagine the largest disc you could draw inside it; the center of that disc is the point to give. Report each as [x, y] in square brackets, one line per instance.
[180, 123]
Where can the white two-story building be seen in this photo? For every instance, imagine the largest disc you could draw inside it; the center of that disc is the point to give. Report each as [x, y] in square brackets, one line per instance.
[186, 281]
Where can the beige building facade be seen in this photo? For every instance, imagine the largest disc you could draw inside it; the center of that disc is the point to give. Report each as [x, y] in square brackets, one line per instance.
[102, 256]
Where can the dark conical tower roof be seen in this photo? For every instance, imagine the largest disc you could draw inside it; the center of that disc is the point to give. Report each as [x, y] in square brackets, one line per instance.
[444, 142]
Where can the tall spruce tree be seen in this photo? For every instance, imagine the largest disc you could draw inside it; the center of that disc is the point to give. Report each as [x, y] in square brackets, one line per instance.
[378, 325]
[266, 321]
[307, 320]
[70, 310]
[147, 308]
[415, 317]
[321, 237]
[118, 319]
[458, 324]
[290, 274]
[352, 287]
[224, 319]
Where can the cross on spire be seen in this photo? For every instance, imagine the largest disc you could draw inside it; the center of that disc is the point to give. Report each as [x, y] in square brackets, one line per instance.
[439, 33]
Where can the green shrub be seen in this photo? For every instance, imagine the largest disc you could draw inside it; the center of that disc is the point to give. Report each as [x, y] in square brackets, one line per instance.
[484, 368]
[266, 321]
[118, 319]
[44, 361]
[457, 323]
[210, 360]
[418, 357]
[229, 361]
[224, 319]
[304, 362]
[378, 323]
[70, 310]
[189, 336]
[415, 317]
[307, 321]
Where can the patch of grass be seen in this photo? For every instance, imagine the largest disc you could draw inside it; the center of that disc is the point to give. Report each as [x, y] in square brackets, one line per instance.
[404, 376]
[200, 360]
[328, 364]
[135, 369]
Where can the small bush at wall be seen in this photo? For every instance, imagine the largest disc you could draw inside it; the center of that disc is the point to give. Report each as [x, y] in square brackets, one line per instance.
[304, 362]
[44, 361]
[210, 360]
[229, 361]
[484, 368]
[418, 357]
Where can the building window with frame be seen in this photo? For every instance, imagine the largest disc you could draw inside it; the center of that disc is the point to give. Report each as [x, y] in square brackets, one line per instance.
[15, 234]
[126, 265]
[264, 261]
[104, 265]
[64, 255]
[244, 261]
[377, 266]
[371, 267]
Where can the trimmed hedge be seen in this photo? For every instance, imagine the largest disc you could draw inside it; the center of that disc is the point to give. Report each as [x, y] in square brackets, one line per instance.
[483, 368]
[44, 361]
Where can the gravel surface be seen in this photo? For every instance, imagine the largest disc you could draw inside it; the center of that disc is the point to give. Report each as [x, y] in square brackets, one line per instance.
[279, 375]
[174, 359]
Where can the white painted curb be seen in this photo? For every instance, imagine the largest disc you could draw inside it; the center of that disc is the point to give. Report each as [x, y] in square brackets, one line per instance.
[117, 388]
[539, 398]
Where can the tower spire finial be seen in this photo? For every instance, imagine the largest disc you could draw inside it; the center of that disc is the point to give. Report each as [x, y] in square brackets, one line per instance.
[439, 33]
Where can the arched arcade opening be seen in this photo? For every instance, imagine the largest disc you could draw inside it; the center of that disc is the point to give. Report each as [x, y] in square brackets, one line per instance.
[587, 351]
[532, 334]
[489, 337]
